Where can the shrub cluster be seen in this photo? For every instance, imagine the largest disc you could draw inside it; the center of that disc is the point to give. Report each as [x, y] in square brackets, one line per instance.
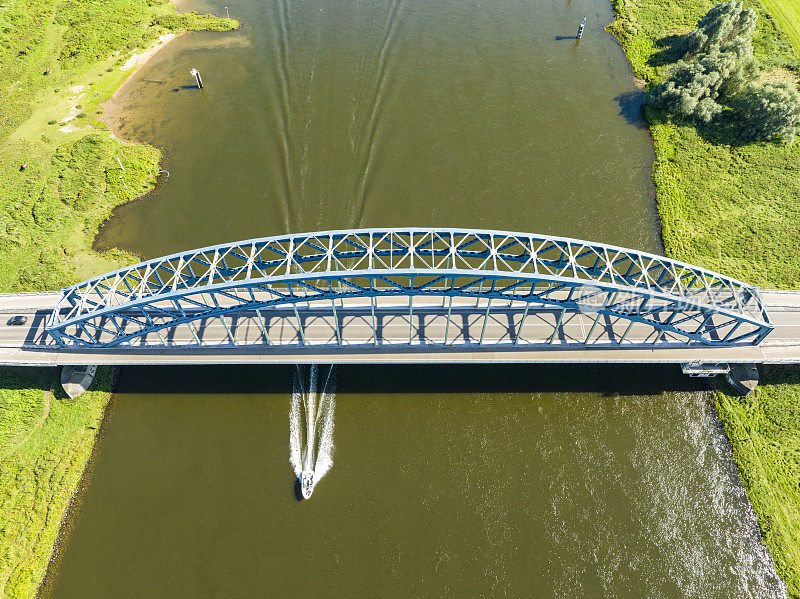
[717, 74]
[769, 111]
[720, 25]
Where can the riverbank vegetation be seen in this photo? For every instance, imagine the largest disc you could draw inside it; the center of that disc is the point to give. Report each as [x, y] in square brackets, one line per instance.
[61, 174]
[733, 205]
[61, 60]
[787, 15]
[46, 440]
[715, 80]
[724, 204]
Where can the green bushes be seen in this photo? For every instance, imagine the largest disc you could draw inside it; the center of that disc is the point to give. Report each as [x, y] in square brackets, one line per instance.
[769, 111]
[63, 199]
[95, 30]
[720, 26]
[195, 22]
[696, 88]
[717, 68]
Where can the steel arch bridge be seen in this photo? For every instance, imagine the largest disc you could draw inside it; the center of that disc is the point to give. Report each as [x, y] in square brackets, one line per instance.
[523, 276]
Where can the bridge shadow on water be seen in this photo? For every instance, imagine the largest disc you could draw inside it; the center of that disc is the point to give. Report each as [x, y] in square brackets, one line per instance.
[611, 380]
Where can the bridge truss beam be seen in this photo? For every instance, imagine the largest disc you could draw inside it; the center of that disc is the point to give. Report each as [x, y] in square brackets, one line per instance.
[680, 303]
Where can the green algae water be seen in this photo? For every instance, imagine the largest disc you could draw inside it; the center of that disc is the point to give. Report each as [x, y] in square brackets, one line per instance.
[479, 481]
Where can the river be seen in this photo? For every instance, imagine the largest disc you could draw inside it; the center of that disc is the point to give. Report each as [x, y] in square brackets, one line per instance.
[477, 481]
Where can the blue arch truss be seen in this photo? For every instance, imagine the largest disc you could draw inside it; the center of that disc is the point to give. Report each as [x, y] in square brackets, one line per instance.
[682, 304]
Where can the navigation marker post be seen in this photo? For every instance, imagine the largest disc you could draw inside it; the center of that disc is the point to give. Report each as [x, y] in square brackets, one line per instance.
[196, 74]
[580, 29]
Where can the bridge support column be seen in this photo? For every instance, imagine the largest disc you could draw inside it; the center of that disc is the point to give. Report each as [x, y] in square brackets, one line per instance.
[76, 380]
[743, 378]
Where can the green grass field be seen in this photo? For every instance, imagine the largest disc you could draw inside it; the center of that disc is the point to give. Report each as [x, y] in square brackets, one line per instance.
[59, 61]
[735, 209]
[787, 15]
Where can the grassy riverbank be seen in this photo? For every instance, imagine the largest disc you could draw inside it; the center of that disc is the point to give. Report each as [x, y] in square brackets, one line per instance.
[734, 208]
[787, 14]
[45, 441]
[61, 174]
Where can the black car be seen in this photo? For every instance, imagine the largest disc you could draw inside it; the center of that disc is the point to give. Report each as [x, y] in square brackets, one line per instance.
[18, 320]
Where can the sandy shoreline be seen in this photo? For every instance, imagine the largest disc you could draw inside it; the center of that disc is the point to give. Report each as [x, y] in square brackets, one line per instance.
[135, 62]
[138, 60]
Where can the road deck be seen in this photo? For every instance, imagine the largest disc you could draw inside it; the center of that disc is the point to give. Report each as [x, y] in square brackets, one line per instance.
[468, 335]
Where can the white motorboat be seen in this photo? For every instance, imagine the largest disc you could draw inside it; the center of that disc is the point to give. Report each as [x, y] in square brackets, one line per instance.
[307, 483]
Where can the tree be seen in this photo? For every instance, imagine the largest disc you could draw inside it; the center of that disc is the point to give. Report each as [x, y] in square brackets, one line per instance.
[720, 25]
[694, 89]
[737, 68]
[690, 91]
[769, 111]
[719, 70]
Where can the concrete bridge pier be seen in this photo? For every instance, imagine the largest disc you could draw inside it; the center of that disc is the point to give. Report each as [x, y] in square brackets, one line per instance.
[743, 378]
[76, 380]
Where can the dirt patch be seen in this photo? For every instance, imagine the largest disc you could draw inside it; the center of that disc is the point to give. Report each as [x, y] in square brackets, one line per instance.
[780, 74]
[73, 108]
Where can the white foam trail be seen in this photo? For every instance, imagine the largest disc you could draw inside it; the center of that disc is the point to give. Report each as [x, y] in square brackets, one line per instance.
[311, 421]
[296, 430]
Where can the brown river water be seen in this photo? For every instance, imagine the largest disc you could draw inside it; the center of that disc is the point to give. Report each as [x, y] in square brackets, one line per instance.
[439, 481]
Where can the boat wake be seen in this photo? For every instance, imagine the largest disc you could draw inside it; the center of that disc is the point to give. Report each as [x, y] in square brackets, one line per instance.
[311, 424]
